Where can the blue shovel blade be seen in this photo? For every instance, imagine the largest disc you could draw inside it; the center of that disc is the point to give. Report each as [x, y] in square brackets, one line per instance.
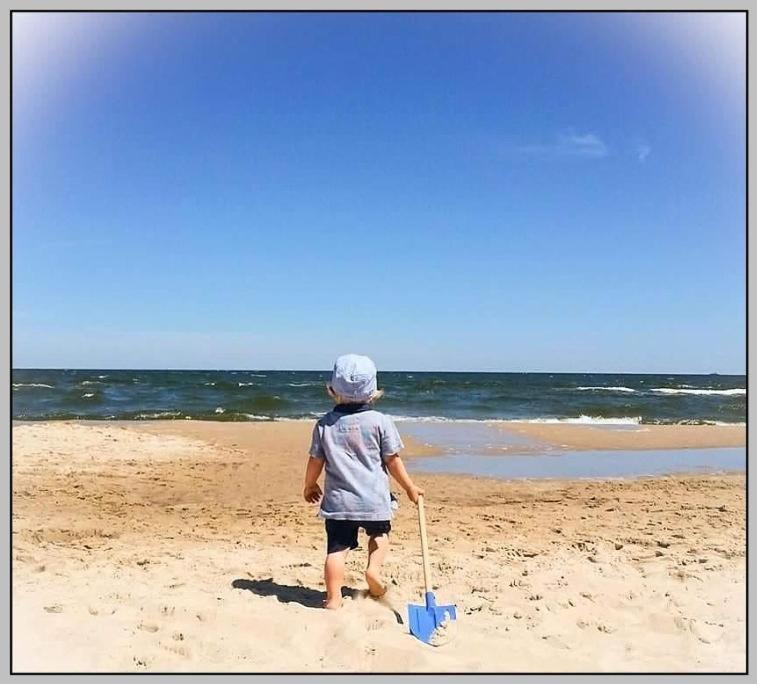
[424, 620]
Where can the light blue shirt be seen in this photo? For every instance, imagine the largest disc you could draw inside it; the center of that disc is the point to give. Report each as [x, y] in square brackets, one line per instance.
[355, 446]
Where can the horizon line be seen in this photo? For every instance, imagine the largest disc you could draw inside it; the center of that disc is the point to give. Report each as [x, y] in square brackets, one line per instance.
[388, 370]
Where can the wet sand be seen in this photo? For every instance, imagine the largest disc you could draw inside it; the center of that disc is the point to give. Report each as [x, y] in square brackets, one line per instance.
[186, 546]
[575, 436]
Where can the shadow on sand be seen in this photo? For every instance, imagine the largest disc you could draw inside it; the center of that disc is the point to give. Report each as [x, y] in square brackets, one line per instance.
[305, 596]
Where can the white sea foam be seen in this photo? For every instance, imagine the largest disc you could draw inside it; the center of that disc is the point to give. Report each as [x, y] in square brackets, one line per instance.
[102, 377]
[245, 384]
[161, 414]
[258, 375]
[581, 420]
[32, 384]
[88, 395]
[607, 389]
[442, 419]
[587, 420]
[209, 384]
[304, 384]
[445, 419]
[220, 409]
[736, 392]
[90, 382]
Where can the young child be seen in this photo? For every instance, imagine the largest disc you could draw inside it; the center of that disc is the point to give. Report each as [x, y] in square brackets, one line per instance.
[358, 447]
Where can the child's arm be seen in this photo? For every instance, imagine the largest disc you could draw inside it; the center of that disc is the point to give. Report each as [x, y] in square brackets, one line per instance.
[312, 491]
[396, 469]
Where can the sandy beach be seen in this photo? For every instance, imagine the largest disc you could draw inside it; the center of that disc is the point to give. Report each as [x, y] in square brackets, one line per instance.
[186, 546]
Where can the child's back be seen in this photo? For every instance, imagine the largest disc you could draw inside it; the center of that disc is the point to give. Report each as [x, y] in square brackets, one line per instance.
[354, 441]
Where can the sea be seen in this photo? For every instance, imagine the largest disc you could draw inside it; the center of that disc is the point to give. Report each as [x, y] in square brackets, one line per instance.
[261, 395]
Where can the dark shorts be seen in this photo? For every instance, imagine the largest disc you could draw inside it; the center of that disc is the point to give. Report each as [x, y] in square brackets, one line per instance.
[342, 534]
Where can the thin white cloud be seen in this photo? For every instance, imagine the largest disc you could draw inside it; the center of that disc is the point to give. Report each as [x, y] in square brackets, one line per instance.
[570, 144]
[642, 150]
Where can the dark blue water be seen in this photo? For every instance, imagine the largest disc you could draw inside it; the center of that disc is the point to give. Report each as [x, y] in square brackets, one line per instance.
[266, 395]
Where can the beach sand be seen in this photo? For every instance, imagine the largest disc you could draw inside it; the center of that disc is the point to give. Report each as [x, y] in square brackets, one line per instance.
[186, 546]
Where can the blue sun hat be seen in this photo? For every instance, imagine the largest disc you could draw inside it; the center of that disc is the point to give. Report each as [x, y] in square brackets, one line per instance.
[354, 378]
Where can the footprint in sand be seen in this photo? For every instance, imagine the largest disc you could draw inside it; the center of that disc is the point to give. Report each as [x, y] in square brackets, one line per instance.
[148, 627]
[178, 650]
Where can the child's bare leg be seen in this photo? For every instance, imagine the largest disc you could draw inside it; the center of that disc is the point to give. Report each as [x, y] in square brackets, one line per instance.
[378, 547]
[334, 572]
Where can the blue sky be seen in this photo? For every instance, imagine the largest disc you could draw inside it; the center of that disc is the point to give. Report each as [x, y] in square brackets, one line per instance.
[516, 192]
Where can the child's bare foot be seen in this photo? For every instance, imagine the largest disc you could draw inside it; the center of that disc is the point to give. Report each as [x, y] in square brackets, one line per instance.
[376, 587]
[333, 604]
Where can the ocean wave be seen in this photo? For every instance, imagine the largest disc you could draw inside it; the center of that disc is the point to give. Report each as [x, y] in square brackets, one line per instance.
[245, 384]
[157, 415]
[32, 384]
[586, 420]
[88, 395]
[693, 421]
[607, 389]
[254, 416]
[441, 419]
[220, 409]
[90, 382]
[581, 420]
[735, 392]
[304, 384]
[258, 375]
[209, 384]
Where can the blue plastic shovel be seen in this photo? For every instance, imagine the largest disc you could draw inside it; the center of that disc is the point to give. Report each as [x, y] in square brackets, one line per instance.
[426, 620]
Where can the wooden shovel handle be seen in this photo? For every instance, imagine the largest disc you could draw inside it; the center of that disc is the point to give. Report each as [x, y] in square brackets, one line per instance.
[424, 545]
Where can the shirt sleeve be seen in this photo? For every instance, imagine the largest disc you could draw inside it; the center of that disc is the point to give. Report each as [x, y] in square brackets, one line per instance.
[391, 442]
[316, 445]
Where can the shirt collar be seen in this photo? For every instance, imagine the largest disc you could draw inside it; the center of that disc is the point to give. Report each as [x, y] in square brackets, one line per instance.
[352, 408]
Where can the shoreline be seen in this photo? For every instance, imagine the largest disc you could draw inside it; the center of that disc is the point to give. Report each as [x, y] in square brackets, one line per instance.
[572, 436]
